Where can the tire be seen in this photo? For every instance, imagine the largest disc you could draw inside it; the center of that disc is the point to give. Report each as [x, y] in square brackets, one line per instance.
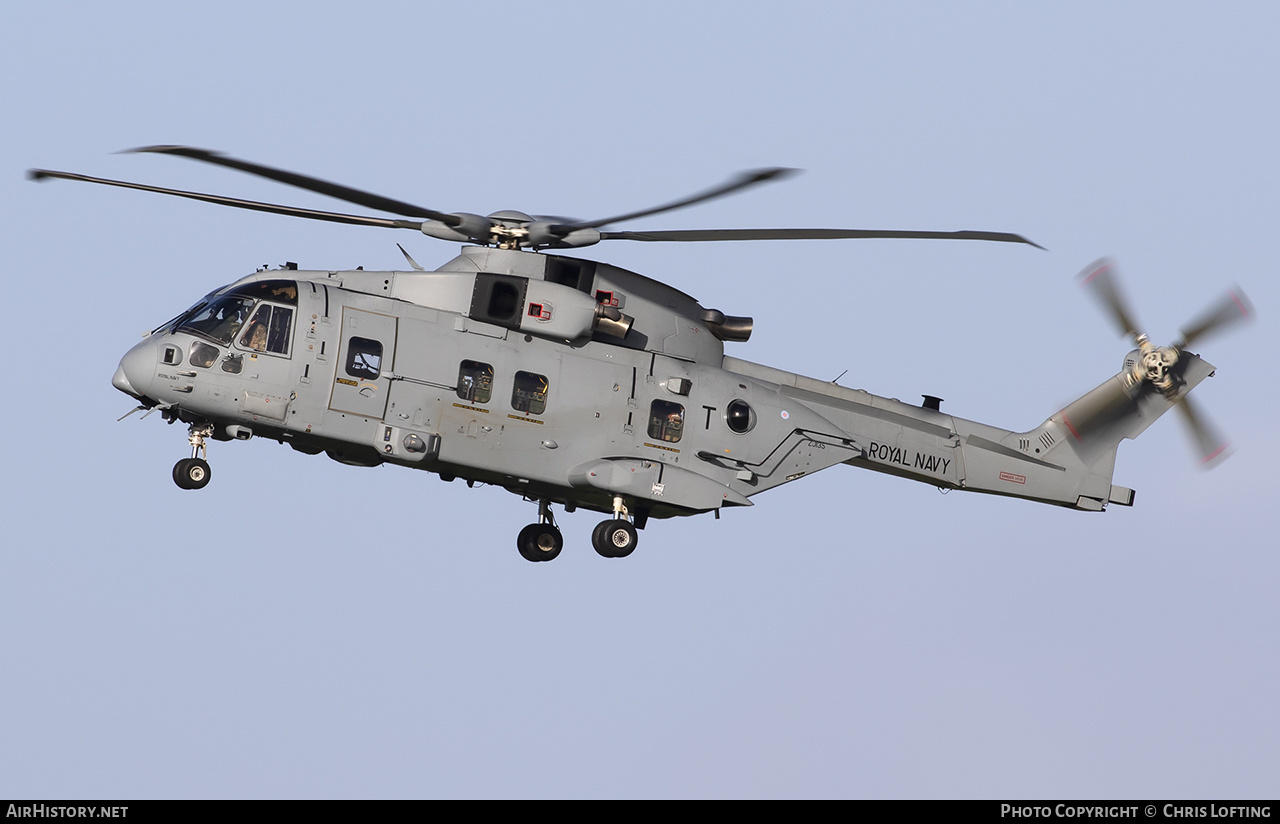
[614, 539]
[539, 542]
[191, 473]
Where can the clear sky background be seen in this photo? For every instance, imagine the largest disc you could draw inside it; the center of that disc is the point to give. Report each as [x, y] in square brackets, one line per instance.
[306, 629]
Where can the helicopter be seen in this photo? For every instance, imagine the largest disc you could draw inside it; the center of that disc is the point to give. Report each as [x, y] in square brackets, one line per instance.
[579, 384]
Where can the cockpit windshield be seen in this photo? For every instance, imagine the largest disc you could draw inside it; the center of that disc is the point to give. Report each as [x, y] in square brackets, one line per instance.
[220, 317]
[218, 320]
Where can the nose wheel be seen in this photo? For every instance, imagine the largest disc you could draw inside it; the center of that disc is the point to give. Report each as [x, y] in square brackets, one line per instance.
[194, 472]
[191, 473]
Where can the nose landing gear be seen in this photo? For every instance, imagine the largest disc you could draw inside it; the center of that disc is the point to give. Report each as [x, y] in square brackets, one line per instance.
[193, 472]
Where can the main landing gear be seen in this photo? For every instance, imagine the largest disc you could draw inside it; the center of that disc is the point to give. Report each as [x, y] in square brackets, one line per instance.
[541, 541]
[193, 472]
[613, 538]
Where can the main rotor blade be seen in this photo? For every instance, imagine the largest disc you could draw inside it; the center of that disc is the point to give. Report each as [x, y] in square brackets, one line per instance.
[1230, 309]
[313, 184]
[741, 181]
[703, 235]
[293, 211]
[1099, 277]
[1211, 446]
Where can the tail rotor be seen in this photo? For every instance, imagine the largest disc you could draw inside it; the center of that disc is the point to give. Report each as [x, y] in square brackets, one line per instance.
[1155, 369]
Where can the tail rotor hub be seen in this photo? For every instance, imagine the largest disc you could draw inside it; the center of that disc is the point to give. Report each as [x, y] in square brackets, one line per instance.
[1156, 367]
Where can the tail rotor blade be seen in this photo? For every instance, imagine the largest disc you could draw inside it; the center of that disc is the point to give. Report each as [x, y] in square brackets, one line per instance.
[1211, 447]
[1230, 309]
[1100, 278]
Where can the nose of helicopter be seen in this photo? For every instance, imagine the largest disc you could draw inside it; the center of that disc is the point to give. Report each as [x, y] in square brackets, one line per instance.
[136, 370]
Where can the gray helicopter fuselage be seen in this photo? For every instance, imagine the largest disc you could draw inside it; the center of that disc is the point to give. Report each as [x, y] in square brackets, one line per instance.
[566, 381]
[572, 382]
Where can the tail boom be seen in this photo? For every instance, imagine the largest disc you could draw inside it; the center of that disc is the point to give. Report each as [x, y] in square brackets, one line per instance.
[1067, 461]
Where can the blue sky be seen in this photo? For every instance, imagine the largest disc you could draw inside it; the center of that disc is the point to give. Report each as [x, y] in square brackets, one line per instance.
[305, 629]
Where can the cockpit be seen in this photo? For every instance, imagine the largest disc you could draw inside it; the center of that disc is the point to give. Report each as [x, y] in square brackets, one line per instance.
[218, 320]
[257, 316]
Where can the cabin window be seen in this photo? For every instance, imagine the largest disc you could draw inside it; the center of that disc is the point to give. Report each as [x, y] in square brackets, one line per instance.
[475, 381]
[268, 330]
[529, 394]
[364, 358]
[666, 421]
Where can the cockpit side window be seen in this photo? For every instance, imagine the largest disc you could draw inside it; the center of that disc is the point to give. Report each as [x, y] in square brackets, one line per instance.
[268, 330]
[255, 333]
[278, 336]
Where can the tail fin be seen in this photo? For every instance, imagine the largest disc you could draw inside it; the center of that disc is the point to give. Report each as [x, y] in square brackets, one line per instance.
[1121, 408]
[1084, 436]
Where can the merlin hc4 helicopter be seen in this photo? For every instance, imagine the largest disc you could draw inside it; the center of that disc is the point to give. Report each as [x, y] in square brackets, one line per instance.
[576, 383]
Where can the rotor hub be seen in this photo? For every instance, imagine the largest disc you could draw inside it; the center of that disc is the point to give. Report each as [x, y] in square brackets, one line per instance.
[1156, 366]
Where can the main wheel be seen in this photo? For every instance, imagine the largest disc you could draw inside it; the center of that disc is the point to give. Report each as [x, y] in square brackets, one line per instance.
[191, 473]
[539, 542]
[614, 539]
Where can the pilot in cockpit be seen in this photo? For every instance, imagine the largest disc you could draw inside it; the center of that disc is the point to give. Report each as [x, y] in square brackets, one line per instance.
[256, 337]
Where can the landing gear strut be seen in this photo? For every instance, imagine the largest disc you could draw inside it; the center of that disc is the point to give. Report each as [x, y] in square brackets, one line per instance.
[541, 541]
[193, 472]
[615, 538]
